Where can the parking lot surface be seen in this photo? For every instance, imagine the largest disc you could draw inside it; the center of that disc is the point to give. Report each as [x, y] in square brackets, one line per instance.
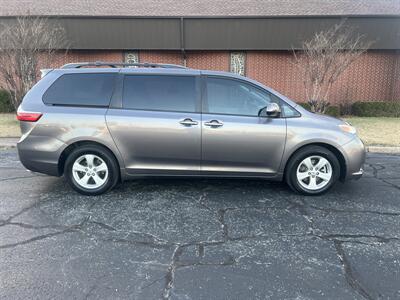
[199, 238]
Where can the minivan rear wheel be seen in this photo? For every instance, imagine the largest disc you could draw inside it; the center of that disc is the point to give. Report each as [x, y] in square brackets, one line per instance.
[312, 170]
[91, 170]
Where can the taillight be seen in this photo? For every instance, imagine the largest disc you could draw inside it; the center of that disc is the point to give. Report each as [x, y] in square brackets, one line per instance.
[28, 116]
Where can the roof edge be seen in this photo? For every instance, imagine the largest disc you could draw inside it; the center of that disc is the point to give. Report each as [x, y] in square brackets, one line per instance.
[344, 16]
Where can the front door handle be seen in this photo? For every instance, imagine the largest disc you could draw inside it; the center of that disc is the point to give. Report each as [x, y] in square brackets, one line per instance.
[188, 122]
[214, 123]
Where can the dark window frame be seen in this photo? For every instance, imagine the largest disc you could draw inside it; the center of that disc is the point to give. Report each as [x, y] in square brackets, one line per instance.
[119, 104]
[113, 91]
[204, 107]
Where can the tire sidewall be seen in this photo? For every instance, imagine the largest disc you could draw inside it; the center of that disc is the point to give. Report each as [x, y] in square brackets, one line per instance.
[299, 157]
[104, 154]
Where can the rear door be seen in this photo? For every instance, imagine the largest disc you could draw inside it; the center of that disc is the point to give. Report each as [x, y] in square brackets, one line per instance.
[235, 140]
[157, 129]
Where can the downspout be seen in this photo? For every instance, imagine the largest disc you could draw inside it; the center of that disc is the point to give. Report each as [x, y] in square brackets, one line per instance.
[183, 43]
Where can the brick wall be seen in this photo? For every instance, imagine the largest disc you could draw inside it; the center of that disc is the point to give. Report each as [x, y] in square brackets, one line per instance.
[396, 78]
[208, 60]
[170, 57]
[370, 78]
[276, 70]
[374, 77]
[82, 56]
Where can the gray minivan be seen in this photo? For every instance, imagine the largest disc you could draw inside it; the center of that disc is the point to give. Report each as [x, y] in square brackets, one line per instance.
[103, 123]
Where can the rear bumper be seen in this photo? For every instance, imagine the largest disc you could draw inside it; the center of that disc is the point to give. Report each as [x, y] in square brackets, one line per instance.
[40, 154]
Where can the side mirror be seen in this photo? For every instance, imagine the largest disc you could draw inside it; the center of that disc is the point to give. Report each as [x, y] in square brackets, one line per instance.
[271, 110]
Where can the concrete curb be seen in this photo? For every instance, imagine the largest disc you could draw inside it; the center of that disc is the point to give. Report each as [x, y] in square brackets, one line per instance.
[383, 149]
[11, 142]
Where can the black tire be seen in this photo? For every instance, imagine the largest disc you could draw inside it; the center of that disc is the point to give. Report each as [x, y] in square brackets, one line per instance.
[298, 157]
[106, 156]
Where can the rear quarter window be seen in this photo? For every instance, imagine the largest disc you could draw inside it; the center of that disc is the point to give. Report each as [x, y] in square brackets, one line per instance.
[81, 90]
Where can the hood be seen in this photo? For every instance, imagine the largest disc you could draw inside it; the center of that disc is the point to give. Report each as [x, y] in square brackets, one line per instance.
[319, 117]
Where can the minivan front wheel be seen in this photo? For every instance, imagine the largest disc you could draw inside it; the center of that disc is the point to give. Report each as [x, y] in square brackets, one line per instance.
[312, 171]
[91, 170]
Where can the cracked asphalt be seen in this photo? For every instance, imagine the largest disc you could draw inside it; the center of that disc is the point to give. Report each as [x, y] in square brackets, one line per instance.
[199, 238]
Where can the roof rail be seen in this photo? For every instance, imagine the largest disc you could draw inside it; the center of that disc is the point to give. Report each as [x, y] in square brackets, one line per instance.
[120, 64]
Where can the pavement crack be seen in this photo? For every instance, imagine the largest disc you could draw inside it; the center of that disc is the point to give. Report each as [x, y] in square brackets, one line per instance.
[348, 238]
[201, 250]
[170, 276]
[104, 226]
[36, 238]
[389, 183]
[18, 177]
[72, 228]
[23, 210]
[349, 272]
[335, 210]
[138, 242]
[148, 239]
[224, 226]
[375, 172]
[30, 226]
[376, 169]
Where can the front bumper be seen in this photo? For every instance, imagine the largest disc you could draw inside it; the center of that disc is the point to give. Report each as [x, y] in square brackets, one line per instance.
[355, 154]
[357, 175]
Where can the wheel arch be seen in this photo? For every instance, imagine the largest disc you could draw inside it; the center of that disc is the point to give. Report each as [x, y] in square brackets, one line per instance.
[71, 147]
[339, 155]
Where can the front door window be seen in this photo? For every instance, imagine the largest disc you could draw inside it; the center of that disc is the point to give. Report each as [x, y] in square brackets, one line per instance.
[234, 97]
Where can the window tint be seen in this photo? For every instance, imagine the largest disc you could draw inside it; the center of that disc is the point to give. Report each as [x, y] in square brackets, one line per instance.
[160, 92]
[81, 89]
[226, 96]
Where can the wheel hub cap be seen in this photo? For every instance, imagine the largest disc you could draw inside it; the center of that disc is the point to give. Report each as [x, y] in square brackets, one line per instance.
[90, 171]
[314, 172]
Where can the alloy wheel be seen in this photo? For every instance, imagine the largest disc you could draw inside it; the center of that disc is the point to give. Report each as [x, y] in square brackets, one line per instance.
[90, 171]
[314, 172]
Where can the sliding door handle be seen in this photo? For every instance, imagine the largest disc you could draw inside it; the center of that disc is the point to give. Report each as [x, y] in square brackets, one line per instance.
[188, 122]
[214, 123]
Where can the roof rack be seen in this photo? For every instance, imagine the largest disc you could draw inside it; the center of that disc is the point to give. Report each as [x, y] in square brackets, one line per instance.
[119, 64]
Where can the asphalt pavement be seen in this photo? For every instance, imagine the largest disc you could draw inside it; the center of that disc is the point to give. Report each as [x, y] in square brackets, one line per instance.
[199, 238]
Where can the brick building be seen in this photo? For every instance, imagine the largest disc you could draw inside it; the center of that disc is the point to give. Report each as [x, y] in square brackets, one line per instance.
[252, 37]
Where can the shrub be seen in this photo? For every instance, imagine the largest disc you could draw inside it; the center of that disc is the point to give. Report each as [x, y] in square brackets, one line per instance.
[376, 109]
[332, 110]
[305, 105]
[5, 102]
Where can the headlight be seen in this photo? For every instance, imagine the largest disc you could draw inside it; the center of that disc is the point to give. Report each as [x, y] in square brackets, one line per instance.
[348, 128]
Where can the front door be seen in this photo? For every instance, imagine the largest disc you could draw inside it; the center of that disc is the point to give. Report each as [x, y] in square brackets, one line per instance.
[158, 128]
[234, 138]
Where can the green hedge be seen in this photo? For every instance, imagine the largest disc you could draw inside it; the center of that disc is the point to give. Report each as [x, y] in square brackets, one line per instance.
[333, 111]
[5, 102]
[305, 105]
[364, 109]
[376, 109]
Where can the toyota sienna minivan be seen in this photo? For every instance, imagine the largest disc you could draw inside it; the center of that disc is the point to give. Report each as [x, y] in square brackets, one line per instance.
[103, 123]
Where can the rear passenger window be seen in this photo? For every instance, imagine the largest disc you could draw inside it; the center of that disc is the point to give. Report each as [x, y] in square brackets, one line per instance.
[160, 92]
[81, 89]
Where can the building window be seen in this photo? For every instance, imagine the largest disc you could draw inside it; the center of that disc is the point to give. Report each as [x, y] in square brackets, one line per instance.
[131, 57]
[238, 63]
